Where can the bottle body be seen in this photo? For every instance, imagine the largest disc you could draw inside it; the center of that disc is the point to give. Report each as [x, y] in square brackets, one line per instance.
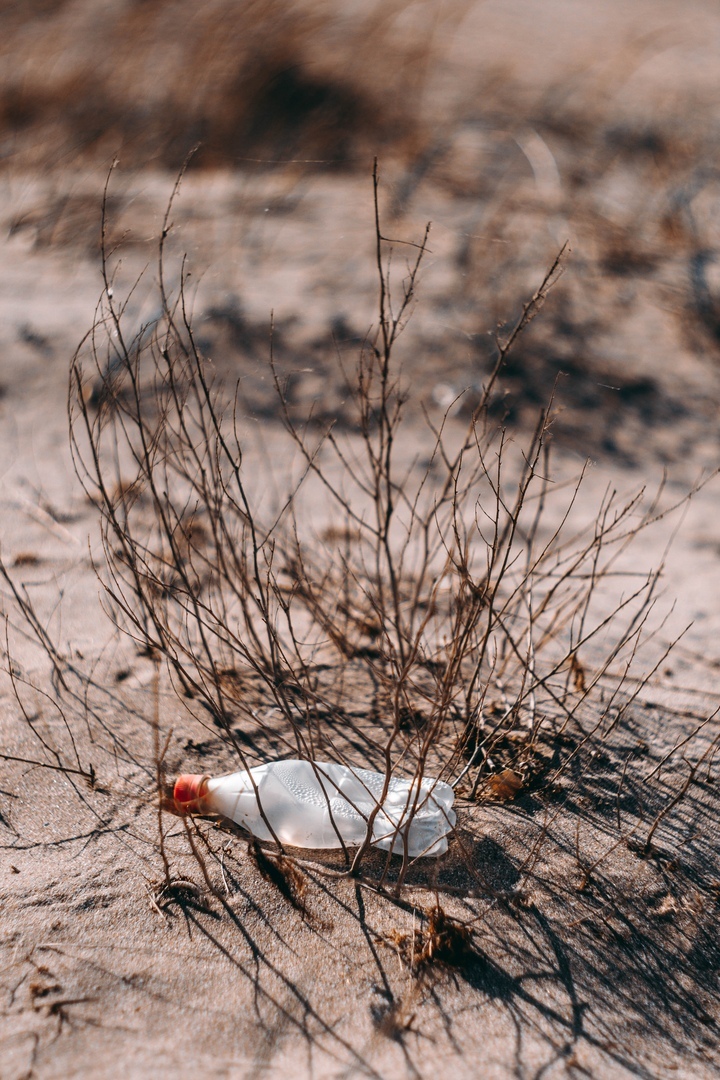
[316, 804]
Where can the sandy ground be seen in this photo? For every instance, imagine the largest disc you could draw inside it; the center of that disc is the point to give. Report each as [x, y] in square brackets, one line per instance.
[233, 971]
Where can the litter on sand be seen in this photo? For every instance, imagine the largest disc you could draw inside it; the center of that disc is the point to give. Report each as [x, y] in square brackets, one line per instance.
[319, 804]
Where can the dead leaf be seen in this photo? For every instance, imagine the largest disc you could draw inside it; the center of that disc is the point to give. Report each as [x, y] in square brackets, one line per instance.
[505, 785]
[578, 673]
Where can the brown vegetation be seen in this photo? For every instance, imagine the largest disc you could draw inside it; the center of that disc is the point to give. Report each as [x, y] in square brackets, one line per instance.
[366, 544]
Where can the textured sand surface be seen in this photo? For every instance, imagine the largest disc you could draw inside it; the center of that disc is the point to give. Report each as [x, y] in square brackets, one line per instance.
[243, 975]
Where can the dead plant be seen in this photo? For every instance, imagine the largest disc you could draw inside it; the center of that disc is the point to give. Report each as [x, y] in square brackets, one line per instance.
[466, 628]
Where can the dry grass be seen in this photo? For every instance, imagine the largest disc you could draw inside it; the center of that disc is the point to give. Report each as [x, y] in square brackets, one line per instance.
[270, 80]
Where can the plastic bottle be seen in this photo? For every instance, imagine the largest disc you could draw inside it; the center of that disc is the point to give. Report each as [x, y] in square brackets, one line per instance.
[309, 803]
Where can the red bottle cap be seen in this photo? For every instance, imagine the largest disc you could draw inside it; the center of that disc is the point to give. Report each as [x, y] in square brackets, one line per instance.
[189, 792]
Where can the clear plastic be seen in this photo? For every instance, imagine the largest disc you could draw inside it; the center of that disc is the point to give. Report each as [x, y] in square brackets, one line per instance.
[312, 804]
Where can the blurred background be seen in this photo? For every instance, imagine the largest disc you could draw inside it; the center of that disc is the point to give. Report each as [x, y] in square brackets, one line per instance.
[513, 126]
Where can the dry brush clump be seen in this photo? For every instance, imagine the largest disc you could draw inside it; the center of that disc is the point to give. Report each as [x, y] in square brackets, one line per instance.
[411, 600]
[266, 80]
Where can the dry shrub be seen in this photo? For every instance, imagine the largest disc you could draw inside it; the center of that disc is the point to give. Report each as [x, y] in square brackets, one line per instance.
[420, 619]
[265, 79]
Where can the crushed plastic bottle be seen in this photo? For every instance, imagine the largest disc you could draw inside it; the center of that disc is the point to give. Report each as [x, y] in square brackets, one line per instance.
[308, 804]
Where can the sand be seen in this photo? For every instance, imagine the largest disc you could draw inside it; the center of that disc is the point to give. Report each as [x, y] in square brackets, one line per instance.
[590, 953]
